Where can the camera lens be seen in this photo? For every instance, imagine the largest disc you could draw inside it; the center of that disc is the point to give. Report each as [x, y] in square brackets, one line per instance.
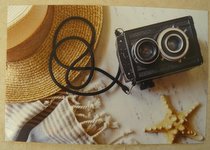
[173, 44]
[145, 51]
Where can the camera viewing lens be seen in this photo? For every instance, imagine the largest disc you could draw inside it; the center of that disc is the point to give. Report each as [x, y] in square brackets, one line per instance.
[145, 51]
[173, 43]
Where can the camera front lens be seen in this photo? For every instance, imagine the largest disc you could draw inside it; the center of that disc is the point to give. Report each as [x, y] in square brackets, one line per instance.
[145, 51]
[173, 44]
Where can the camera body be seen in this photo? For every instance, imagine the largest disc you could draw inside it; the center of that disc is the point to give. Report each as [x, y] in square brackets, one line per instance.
[157, 50]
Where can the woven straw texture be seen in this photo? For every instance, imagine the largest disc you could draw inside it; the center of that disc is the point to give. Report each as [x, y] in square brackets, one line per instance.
[29, 79]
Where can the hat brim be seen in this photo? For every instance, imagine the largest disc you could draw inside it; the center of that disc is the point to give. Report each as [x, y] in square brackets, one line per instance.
[29, 79]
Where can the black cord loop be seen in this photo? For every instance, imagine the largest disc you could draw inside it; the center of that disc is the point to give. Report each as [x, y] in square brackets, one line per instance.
[69, 86]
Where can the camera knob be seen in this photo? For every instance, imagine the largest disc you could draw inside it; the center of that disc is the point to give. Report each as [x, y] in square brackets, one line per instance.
[119, 31]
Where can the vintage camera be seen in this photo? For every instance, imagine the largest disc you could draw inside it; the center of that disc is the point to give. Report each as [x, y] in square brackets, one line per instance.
[157, 50]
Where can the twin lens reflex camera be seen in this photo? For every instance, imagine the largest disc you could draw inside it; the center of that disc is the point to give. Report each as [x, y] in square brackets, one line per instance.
[157, 50]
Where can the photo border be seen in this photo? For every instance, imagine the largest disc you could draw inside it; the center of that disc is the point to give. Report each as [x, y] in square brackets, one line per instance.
[178, 4]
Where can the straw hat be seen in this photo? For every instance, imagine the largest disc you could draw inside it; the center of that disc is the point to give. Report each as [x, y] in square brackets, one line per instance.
[30, 33]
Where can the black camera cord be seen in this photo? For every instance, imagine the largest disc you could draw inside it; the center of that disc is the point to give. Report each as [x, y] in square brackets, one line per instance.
[69, 87]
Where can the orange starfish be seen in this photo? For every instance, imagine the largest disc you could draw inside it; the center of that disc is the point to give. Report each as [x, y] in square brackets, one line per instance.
[175, 123]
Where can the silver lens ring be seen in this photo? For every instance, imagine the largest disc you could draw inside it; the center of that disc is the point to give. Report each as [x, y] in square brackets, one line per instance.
[138, 58]
[166, 52]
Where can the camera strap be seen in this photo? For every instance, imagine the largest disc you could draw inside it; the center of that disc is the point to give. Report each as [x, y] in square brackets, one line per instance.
[69, 87]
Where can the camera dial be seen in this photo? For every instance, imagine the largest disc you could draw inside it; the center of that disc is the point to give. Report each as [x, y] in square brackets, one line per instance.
[145, 51]
[173, 43]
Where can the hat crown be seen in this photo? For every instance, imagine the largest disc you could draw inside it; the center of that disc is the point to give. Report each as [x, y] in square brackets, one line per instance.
[23, 22]
[16, 12]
